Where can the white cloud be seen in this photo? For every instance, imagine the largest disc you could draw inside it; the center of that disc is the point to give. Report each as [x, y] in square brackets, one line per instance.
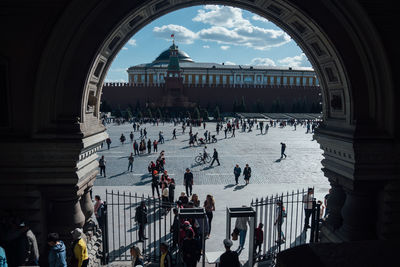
[258, 61]
[124, 48]
[206, 46]
[225, 47]
[229, 63]
[132, 42]
[259, 18]
[296, 61]
[251, 36]
[115, 80]
[182, 34]
[118, 70]
[223, 16]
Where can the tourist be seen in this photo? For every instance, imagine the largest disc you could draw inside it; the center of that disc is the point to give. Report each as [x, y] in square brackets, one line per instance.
[165, 179]
[241, 225]
[280, 214]
[136, 256]
[233, 132]
[308, 206]
[3, 258]
[99, 210]
[229, 258]
[225, 131]
[130, 162]
[174, 134]
[209, 207]
[171, 187]
[155, 182]
[175, 227]
[155, 145]
[149, 146]
[165, 258]
[259, 237]
[283, 148]
[237, 171]
[131, 136]
[205, 153]
[190, 250]
[57, 252]
[81, 256]
[145, 133]
[136, 148]
[108, 141]
[195, 200]
[247, 174]
[122, 138]
[165, 196]
[141, 219]
[102, 165]
[215, 157]
[326, 199]
[184, 199]
[188, 181]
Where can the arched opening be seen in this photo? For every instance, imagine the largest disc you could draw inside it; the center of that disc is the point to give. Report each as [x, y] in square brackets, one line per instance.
[340, 40]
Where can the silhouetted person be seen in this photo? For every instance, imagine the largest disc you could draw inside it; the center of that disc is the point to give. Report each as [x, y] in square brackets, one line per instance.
[215, 157]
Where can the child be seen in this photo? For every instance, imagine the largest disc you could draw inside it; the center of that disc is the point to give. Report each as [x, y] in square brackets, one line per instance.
[259, 237]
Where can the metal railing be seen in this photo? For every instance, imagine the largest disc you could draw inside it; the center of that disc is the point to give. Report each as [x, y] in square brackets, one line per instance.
[121, 231]
[285, 225]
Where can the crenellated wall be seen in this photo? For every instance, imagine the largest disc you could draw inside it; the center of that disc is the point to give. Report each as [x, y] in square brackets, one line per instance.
[124, 94]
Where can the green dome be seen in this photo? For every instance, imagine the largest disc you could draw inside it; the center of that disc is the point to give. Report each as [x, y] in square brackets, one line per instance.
[164, 57]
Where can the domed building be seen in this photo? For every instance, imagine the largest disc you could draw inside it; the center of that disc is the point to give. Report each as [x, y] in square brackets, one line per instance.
[203, 73]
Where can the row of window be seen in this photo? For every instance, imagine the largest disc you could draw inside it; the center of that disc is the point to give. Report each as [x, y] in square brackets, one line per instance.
[202, 79]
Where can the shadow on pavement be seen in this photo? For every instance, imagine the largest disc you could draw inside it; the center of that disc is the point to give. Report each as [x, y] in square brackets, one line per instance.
[229, 186]
[239, 187]
[116, 175]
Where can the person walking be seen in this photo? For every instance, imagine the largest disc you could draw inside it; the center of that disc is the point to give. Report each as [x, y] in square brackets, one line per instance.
[188, 181]
[190, 250]
[130, 162]
[108, 141]
[247, 174]
[209, 207]
[308, 206]
[259, 238]
[283, 148]
[155, 145]
[131, 136]
[141, 219]
[122, 138]
[136, 256]
[229, 258]
[57, 252]
[174, 134]
[171, 188]
[241, 225]
[102, 165]
[215, 157]
[79, 247]
[233, 131]
[280, 214]
[99, 210]
[237, 171]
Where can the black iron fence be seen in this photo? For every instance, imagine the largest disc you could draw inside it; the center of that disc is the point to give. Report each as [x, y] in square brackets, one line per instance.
[121, 231]
[289, 220]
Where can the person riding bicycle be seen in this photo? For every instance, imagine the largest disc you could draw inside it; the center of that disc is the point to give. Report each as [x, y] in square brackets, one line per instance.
[205, 154]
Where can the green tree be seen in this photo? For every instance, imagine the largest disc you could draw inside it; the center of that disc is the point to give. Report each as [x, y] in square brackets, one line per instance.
[159, 114]
[128, 113]
[205, 114]
[149, 114]
[217, 114]
[196, 114]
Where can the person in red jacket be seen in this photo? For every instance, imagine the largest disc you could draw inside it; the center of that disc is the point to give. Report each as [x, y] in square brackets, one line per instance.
[259, 237]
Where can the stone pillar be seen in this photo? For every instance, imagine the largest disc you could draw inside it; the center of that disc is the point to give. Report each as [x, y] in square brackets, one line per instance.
[65, 214]
[87, 204]
[335, 203]
[359, 215]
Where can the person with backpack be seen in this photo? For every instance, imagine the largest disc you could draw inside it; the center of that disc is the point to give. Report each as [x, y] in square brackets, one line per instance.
[165, 258]
[280, 214]
[136, 148]
[79, 248]
[141, 219]
[57, 252]
[122, 138]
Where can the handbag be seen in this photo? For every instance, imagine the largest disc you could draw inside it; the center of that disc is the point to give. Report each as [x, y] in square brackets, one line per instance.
[235, 234]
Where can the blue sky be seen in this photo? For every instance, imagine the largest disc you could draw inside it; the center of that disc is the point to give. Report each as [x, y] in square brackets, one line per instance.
[211, 34]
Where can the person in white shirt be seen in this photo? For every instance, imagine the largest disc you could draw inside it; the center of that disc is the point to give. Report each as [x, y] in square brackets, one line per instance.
[308, 206]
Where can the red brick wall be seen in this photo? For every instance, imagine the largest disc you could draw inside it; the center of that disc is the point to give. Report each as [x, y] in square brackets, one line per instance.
[123, 94]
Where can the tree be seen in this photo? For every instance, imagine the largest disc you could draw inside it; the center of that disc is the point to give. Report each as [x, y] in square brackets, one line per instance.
[149, 114]
[105, 107]
[128, 114]
[205, 114]
[196, 114]
[188, 114]
[234, 108]
[217, 114]
[243, 105]
[159, 114]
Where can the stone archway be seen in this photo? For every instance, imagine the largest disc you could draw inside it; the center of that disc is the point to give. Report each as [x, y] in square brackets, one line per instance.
[340, 40]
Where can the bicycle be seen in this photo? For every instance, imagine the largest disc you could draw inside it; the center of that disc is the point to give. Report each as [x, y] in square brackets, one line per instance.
[200, 159]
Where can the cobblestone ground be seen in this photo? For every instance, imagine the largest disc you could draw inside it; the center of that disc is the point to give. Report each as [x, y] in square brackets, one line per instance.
[301, 168]
[261, 152]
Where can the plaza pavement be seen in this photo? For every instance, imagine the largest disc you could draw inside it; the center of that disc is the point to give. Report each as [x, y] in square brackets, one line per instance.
[301, 169]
